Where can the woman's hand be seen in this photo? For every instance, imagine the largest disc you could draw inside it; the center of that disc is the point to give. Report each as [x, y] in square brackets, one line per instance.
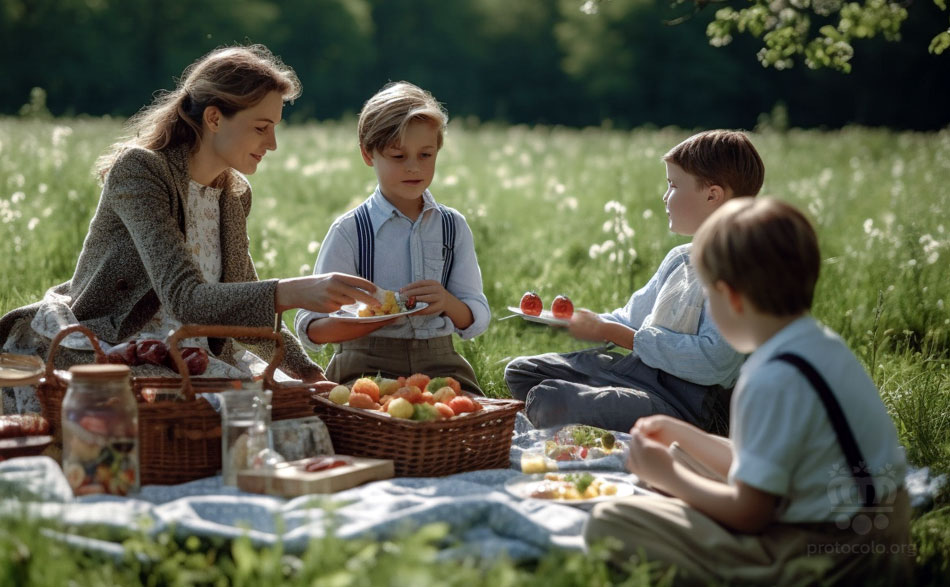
[324, 293]
[586, 325]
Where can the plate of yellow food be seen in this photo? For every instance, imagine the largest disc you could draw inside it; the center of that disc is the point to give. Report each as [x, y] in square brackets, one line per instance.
[391, 305]
[581, 488]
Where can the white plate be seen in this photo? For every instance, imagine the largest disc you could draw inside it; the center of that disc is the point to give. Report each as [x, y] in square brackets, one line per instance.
[546, 317]
[349, 313]
[524, 485]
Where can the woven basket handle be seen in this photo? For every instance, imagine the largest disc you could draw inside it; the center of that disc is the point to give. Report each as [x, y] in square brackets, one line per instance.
[54, 346]
[195, 330]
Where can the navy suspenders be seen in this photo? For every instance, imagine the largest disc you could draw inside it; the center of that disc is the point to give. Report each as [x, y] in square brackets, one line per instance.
[849, 446]
[367, 245]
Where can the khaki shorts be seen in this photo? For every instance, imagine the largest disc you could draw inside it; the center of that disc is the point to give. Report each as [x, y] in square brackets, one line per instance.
[668, 531]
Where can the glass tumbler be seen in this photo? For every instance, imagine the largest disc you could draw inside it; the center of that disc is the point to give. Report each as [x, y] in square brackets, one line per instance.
[245, 428]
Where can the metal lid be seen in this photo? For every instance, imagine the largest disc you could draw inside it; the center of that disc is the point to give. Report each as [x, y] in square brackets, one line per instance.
[20, 369]
[100, 372]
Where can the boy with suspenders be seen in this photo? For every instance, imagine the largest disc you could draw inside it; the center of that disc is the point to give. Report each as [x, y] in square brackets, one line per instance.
[401, 239]
[812, 475]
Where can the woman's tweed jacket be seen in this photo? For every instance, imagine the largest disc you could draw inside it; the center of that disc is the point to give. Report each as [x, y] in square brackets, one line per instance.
[134, 259]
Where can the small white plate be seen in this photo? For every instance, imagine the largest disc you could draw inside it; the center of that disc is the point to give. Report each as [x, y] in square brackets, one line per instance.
[349, 313]
[524, 485]
[546, 317]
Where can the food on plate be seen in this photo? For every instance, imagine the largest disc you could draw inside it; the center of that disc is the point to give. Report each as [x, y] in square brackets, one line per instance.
[324, 463]
[388, 305]
[411, 303]
[562, 307]
[577, 442]
[14, 425]
[339, 395]
[531, 304]
[573, 486]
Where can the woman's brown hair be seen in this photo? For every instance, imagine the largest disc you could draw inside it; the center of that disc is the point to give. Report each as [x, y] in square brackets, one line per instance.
[231, 78]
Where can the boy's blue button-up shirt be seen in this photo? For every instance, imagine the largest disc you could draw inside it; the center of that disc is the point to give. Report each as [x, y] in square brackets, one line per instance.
[405, 252]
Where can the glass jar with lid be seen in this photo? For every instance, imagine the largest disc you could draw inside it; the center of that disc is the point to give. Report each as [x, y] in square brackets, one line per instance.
[100, 431]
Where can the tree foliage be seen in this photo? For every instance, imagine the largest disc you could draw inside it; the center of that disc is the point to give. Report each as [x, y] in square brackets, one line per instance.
[571, 62]
[821, 33]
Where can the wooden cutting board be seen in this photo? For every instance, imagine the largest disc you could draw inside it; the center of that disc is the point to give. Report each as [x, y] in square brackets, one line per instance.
[291, 479]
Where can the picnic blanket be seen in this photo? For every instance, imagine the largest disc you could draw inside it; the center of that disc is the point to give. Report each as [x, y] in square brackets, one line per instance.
[483, 518]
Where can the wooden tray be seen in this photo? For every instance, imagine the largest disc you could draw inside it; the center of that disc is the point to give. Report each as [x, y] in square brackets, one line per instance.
[290, 479]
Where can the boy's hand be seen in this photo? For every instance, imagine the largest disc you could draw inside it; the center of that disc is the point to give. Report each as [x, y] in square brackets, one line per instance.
[586, 325]
[649, 460]
[430, 292]
[659, 428]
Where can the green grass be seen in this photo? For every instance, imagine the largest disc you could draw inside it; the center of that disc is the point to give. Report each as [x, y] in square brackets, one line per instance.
[538, 201]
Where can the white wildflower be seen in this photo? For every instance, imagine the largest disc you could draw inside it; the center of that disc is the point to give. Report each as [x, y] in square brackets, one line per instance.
[32, 223]
[305, 269]
[647, 214]
[451, 180]
[42, 188]
[312, 247]
[292, 163]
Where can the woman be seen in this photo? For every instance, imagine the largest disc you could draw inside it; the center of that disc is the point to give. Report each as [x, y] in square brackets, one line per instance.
[168, 244]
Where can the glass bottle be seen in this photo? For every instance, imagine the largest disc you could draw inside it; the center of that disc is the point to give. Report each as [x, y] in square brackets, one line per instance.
[100, 431]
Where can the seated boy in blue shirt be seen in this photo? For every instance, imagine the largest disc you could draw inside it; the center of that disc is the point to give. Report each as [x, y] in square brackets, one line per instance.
[679, 364]
[810, 487]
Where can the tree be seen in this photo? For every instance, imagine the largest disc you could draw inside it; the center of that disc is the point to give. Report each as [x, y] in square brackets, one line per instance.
[819, 32]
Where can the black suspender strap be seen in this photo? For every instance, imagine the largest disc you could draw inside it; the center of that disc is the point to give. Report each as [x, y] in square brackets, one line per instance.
[367, 247]
[849, 445]
[448, 244]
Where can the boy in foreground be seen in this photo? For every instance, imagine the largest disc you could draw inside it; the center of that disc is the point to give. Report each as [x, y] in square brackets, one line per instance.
[813, 466]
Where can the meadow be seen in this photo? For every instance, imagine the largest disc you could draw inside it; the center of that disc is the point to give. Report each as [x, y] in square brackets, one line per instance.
[578, 212]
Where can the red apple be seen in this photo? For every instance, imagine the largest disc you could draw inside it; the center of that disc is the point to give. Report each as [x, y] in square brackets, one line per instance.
[562, 307]
[531, 304]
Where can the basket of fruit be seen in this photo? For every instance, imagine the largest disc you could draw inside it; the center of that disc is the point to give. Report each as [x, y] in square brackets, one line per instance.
[428, 426]
[179, 433]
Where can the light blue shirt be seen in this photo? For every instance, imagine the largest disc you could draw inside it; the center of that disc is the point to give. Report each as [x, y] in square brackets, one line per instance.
[406, 251]
[783, 441]
[702, 356]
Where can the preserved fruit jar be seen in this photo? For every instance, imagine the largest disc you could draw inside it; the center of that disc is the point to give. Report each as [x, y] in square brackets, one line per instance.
[100, 431]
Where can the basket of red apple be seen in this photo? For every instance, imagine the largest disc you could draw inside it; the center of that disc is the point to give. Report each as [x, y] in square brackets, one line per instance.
[428, 426]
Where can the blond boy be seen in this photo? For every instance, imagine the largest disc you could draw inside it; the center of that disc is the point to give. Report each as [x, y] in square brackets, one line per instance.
[813, 472]
[402, 240]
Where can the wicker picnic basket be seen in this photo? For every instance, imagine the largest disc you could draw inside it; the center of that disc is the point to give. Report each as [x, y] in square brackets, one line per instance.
[179, 440]
[469, 442]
